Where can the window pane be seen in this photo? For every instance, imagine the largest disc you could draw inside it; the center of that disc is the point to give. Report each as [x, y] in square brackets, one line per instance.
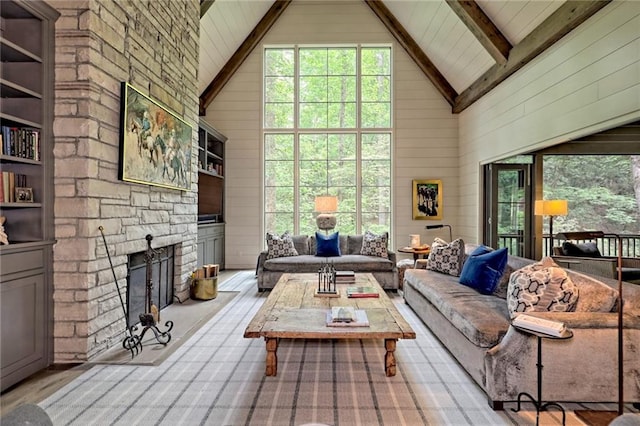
[376, 61]
[279, 62]
[346, 198]
[342, 173]
[308, 224]
[376, 115]
[342, 61]
[342, 115]
[341, 89]
[278, 173]
[313, 89]
[278, 147]
[278, 116]
[376, 173]
[376, 222]
[278, 199]
[376, 146]
[376, 199]
[342, 146]
[308, 195]
[278, 223]
[313, 173]
[376, 89]
[313, 147]
[346, 223]
[313, 61]
[278, 89]
[313, 116]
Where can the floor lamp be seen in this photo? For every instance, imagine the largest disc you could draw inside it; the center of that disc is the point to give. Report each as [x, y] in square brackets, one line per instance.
[441, 226]
[551, 208]
[597, 418]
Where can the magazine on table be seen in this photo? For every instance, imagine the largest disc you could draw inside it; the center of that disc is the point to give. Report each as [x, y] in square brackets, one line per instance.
[362, 291]
[347, 316]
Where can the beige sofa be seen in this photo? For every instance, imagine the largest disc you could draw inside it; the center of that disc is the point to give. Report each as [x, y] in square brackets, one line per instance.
[476, 329]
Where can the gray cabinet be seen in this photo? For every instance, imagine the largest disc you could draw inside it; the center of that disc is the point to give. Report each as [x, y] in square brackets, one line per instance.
[211, 244]
[26, 158]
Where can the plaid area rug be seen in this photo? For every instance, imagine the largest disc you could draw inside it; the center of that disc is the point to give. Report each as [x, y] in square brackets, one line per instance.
[217, 378]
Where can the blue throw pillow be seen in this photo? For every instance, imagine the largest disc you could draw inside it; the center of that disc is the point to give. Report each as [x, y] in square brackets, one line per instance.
[484, 268]
[327, 245]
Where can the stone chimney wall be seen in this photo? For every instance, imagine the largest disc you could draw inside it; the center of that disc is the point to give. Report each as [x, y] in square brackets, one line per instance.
[153, 45]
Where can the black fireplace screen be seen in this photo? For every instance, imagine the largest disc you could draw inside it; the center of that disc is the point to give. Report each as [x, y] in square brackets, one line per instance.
[161, 277]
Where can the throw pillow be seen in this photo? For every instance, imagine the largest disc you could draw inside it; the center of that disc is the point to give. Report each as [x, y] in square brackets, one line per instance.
[327, 245]
[540, 287]
[580, 250]
[483, 268]
[374, 245]
[446, 258]
[280, 246]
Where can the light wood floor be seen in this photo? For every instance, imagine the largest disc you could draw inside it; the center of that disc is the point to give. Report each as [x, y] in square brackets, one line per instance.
[44, 383]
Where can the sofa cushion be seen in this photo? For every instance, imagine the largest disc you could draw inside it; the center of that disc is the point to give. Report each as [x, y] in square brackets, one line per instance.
[483, 319]
[483, 268]
[280, 246]
[540, 287]
[301, 243]
[311, 263]
[354, 244]
[446, 257]
[328, 245]
[595, 296]
[374, 245]
[589, 249]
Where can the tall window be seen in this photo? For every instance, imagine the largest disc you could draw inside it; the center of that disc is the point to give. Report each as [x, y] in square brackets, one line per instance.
[327, 131]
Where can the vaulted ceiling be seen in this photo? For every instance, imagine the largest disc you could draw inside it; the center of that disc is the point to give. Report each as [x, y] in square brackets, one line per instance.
[465, 47]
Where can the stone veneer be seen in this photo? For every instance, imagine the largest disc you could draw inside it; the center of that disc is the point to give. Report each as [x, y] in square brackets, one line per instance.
[153, 45]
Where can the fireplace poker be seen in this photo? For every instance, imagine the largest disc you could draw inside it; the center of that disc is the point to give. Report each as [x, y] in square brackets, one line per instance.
[131, 341]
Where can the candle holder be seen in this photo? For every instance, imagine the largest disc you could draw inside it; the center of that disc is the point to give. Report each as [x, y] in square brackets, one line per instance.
[327, 281]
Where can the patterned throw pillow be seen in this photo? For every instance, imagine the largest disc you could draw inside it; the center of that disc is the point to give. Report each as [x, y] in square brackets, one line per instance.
[374, 245]
[280, 246]
[541, 287]
[447, 258]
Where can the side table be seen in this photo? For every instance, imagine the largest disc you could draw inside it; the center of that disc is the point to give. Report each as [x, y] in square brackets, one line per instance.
[417, 252]
[540, 406]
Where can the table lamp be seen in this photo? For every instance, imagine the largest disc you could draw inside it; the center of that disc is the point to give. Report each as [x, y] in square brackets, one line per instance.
[326, 205]
[551, 208]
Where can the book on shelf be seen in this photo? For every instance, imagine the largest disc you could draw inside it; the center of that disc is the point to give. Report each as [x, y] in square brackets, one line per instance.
[362, 291]
[347, 316]
[540, 325]
[22, 142]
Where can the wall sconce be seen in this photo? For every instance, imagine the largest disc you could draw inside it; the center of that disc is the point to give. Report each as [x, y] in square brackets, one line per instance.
[326, 205]
[441, 226]
[551, 208]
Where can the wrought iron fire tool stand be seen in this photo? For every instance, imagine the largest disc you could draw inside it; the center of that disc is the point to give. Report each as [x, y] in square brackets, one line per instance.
[147, 319]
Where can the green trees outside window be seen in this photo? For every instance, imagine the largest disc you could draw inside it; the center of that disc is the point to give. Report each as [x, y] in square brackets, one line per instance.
[327, 130]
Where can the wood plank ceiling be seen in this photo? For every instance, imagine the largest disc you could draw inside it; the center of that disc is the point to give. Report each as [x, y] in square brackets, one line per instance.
[465, 47]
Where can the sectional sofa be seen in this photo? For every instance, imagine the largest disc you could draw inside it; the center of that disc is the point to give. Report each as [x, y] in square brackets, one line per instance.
[476, 330]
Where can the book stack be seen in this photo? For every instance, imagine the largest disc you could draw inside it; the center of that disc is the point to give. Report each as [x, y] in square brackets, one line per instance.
[540, 325]
[356, 292]
[345, 277]
[347, 316]
[21, 142]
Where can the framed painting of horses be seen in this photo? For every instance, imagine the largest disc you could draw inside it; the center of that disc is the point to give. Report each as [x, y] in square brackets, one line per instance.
[155, 144]
[427, 199]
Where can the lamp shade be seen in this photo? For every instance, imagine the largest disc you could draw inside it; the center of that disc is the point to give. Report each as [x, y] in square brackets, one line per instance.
[551, 207]
[326, 204]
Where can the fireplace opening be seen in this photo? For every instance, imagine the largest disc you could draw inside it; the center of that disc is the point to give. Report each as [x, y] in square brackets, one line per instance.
[161, 277]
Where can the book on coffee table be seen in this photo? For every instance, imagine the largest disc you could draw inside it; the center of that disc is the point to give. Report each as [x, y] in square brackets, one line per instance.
[362, 291]
[347, 317]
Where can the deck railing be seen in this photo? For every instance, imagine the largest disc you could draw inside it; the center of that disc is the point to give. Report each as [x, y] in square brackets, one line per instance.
[608, 245]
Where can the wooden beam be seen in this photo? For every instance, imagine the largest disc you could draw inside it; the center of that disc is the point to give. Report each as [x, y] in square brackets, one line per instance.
[412, 48]
[204, 6]
[239, 56]
[482, 28]
[560, 23]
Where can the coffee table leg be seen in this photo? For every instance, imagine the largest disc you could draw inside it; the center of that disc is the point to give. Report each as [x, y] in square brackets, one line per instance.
[390, 358]
[272, 357]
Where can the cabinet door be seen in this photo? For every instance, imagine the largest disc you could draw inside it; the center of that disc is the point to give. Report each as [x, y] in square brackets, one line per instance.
[218, 251]
[23, 328]
[201, 253]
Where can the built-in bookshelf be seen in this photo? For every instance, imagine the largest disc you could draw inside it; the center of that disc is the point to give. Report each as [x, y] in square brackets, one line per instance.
[26, 194]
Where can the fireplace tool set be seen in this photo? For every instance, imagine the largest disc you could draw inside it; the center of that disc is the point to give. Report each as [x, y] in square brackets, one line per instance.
[148, 319]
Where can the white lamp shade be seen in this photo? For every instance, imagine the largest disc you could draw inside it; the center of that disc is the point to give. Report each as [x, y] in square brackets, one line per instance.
[551, 207]
[326, 204]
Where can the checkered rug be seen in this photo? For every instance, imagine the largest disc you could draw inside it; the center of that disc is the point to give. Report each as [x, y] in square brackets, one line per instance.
[217, 378]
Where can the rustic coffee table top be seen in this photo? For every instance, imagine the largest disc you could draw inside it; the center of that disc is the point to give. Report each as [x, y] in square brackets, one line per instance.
[293, 311]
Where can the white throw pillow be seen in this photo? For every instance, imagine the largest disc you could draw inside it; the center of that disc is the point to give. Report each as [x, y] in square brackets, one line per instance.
[447, 258]
[374, 245]
[280, 246]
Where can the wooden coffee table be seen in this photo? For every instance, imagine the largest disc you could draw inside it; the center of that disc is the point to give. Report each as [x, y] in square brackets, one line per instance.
[292, 311]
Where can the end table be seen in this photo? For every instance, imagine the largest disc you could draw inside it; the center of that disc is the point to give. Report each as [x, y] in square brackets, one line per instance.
[540, 406]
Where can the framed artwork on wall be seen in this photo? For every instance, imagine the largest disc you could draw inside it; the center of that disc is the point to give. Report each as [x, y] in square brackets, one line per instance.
[155, 144]
[427, 199]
